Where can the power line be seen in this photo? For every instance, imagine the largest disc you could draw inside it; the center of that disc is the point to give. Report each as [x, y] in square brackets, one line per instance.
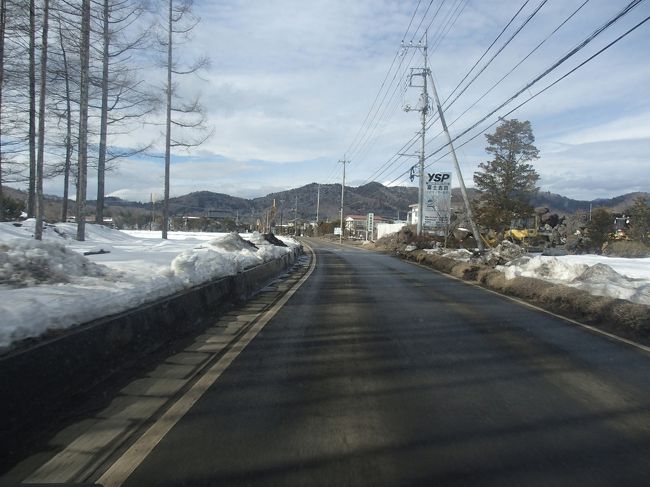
[488, 49]
[580, 46]
[450, 23]
[518, 64]
[499, 51]
[359, 144]
[576, 49]
[381, 87]
[393, 161]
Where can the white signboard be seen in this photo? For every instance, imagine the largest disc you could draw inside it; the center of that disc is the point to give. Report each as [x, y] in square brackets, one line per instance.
[437, 200]
[370, 226]
[337, 230]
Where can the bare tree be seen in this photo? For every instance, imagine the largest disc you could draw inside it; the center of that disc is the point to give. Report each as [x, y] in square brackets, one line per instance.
[69, 148]
[122, 97]
[82, 182]
[38, 231]
[3, 23]
[31, 203]
[179, 113]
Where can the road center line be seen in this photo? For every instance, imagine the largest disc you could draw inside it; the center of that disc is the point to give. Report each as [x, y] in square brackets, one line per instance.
[117, 474]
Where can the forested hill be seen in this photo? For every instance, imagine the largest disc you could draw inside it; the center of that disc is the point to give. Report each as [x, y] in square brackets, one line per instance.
[389, 202]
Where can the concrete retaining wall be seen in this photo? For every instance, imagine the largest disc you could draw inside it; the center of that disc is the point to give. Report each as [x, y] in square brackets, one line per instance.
[39, 379]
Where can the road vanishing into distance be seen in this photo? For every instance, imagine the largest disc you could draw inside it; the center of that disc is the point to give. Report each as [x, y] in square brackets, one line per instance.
[376, 371]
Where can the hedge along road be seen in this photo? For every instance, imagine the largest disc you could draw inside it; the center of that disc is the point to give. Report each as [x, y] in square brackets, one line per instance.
[380, 372]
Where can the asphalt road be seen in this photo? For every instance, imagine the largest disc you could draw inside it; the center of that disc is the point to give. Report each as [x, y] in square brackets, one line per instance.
[379, 372]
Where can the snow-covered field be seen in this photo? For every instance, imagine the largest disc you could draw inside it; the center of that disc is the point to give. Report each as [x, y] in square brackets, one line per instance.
[52, 285]
[598, 275]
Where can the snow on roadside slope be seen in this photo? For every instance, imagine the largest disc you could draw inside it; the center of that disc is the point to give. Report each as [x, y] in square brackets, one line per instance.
[51, 285]
[599, 275]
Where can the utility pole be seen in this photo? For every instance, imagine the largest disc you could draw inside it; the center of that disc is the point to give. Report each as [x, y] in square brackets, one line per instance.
[424, 110]
[295, 218]
[344, 162]
[153, 213]
[463, 190]
[317, 208]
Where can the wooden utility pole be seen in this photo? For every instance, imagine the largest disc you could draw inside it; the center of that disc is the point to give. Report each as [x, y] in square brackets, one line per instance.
[344, 162]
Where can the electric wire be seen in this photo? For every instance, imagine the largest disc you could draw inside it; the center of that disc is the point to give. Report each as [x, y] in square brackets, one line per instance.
[441, 33]
[489, 47]
[554, 66]
[535, 95]
[499, 51]
[381, 87]
[359, 143]
[392, 161]
[608, 24]
[436, 43]
[374, 135]
[494, 85]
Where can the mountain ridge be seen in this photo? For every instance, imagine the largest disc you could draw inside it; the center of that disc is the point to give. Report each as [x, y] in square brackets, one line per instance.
[388, 202]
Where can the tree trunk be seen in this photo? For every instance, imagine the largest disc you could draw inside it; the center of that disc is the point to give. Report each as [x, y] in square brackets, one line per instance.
[168, 123]
[82, 181]
[68, 135]
[3, 23]
[38, 231]
[101, 162]
[32, 111]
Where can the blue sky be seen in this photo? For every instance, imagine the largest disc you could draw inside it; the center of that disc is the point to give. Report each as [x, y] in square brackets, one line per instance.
[291, 82]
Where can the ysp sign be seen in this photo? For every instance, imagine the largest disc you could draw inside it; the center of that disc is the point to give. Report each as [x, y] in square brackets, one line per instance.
[437, 201]
[439, 177]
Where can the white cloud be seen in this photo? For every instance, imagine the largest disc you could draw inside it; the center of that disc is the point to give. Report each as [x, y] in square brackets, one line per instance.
[291, 82]
[625, 128]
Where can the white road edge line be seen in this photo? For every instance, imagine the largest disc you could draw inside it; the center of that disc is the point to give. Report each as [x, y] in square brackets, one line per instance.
[537, 308]
[124, 466]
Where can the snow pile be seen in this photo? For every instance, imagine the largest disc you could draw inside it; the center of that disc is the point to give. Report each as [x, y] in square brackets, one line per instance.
[28, 263]
[462, 255]
[549, 269]
[232, 243]
[506, 251]
[222, 256]
[51, 285]
[595, 274]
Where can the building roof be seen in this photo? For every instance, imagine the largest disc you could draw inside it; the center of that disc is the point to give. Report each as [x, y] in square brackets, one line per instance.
[364, 218]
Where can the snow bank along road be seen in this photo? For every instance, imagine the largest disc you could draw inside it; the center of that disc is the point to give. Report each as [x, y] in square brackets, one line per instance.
[49, 286]
[375, 372]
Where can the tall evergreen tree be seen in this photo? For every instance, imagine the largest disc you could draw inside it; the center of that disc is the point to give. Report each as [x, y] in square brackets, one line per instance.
[640, 220]
[507, 183]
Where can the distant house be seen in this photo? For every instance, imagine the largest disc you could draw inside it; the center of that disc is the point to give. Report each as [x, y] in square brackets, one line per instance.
[356, 226]
[90, 219]
[412, 215]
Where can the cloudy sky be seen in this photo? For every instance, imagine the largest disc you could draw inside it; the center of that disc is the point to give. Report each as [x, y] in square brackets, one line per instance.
[294, 86]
